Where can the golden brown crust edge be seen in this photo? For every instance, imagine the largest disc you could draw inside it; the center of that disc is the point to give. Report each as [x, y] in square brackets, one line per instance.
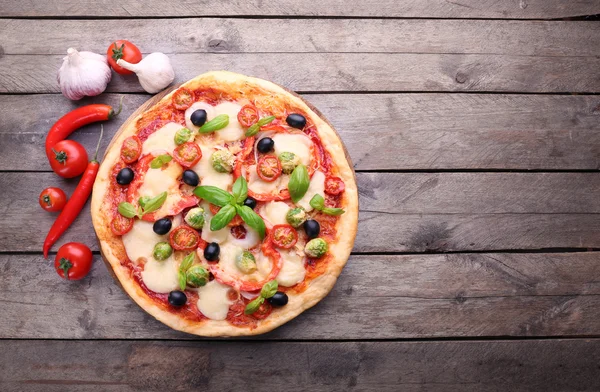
[317, 288]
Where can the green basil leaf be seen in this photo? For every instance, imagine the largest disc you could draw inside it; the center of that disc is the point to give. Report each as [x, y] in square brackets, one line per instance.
[219, 122]
[214, 195]
[160, 160]
[127, 210]
[143, 200]
[252, 130]
[240, 190]
[222, 218]
[155, 203]
[186, 263]
[269, 289]
[332, 211]
[254, 305]
[299, 182]
[265, 120]
[317, 202]
[182, 277]
[252, 219]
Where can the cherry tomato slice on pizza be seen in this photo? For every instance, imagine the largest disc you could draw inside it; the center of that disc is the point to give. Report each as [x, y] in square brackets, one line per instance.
[121, 225]
[53, 199]
[182, 99]
[184, 238]
[268, 168]
[248, 115]
[334, 185]
[263, 311]
[283, 236]
[131, 149]
[187, 154]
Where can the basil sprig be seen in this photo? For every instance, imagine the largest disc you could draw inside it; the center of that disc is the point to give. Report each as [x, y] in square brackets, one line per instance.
[267, 291]
[318, 203]
[254, 128]
[160, 161]
[219, 122]
[299, 182]
[231, 205]
[186, 263]
[147, 205]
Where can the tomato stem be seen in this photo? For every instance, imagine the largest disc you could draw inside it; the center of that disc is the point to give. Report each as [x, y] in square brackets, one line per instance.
[46, 200]
[65, 265]
[60, 156]
[98, 145]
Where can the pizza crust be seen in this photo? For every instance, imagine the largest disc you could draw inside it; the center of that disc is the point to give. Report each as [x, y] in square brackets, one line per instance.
[317, 288]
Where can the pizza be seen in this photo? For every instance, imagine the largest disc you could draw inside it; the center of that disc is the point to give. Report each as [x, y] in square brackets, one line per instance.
[227, 208]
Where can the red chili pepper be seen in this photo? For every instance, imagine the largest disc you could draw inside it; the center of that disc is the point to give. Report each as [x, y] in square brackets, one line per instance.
[76, 119]
[75, 203]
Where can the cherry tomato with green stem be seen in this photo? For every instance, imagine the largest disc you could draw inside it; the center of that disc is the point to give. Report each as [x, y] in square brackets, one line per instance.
[53, 199]
[123, 49]
[73, 261]
[70, 159]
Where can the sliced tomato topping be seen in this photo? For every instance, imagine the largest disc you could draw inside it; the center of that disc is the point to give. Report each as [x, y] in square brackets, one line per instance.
[273, 128]
[184, 238]
[334, 185]
[236, 221]
[268, 168]
[131, 149]
[263, 311]
[240, 284]
[187, 154]
[182, 99]
[121, 225]
[283, 236]
[248, 115]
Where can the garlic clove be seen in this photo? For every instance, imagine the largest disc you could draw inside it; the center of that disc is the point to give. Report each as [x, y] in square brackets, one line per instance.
[154, 71]
[83, 74]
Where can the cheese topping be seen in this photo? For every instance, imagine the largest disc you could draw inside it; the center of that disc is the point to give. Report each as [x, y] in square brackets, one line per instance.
[275, 211]
[208, 175]
[317, 186]
[157, 181]
[227, 263]
[297, 143]
[249, 241]
[210, 113]
[162, 140]
[161, 276]
[140, 240]
[213, 301]
[292, 272]
[234, 130]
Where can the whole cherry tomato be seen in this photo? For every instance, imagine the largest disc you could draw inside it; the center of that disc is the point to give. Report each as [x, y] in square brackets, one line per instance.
[53, 199]
[73, 261]
[125, 50]
[70, 159]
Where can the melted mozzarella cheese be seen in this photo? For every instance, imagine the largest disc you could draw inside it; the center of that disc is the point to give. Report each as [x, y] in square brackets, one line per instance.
[219, 236]
[249, 241]
[257, 185]
[234, 130]
[297, 143]
[208, 175]
[317, 186]
[157, 181]
[140, 240]
[227, 263]
[162, 140]
[275, 212]
[292, 272]
[161, 276]
[213, 301]
[197, 106]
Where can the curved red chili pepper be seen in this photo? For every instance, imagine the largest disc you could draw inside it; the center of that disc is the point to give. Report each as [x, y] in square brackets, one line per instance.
[75, 203]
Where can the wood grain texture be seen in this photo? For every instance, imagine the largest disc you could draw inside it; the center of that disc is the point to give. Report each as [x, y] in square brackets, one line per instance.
[380, 8]
[400, 212]
[413, 296]
[415, 131]
[209, 35]
[562, 365]
[349, 72]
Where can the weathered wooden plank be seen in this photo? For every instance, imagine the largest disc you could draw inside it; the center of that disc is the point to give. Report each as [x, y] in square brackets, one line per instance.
[376, 297]
[345, 72]
[35, 37]
[416, 131]
[410, 212]
[544, 365]
[380, 8]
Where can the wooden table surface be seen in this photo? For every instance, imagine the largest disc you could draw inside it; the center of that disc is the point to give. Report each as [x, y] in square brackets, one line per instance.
[474, 126]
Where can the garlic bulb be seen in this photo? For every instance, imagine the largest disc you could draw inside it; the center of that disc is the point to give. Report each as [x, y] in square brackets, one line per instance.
[83, 74]
[154, 71]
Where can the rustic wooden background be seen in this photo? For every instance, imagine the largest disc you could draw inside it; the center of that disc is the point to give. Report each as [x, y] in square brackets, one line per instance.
[474, 128]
